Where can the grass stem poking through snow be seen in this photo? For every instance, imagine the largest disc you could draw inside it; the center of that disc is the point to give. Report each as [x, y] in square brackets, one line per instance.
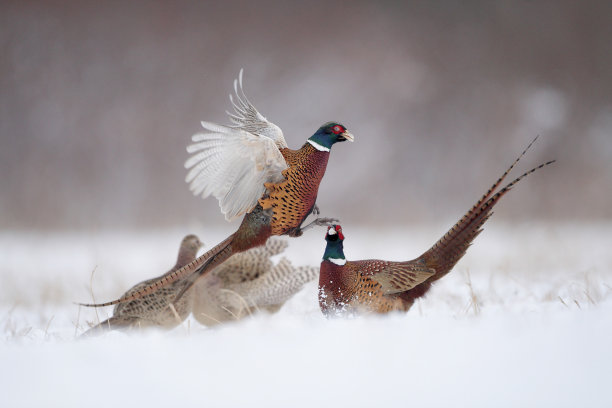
[47, 327]
[473, 298]
[76, 324]
[245, 305]
[93, 298]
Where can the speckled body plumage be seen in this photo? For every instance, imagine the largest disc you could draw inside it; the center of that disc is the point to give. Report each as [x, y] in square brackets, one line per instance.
[279, 212]
[154, 309]
[293, 199]
[383, 286]
[247, 283]
[350, 287]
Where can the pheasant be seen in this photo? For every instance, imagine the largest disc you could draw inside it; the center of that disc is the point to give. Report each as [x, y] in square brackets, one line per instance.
[248, 282]
[245, 283]
[154, 309]
[248, 167]
[383, 286]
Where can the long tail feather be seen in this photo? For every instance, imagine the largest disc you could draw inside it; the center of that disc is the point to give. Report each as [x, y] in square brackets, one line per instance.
[199, 266]
[445, 253]
[224, 253]
[490, 191]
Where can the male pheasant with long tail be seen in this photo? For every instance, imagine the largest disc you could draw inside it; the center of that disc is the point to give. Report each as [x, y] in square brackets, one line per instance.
[383, 286]
[249, 168]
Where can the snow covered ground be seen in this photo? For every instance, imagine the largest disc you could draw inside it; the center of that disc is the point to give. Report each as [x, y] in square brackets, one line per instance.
[525, 319]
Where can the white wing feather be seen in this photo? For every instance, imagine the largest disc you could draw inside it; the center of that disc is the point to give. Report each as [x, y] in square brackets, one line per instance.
[246, 117]
[232, 165]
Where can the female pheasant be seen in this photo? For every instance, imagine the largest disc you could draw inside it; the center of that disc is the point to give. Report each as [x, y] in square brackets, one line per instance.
[249, 168]
[245, 283]
[155, 309]
[248, 282]
[383, 286]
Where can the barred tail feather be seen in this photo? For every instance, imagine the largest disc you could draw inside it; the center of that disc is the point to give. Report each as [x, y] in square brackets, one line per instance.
[490, 191]
[199, 266]
[223, 253]
[452, 246]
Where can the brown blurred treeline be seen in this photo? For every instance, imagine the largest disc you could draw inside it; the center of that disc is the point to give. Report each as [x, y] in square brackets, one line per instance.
[99, 99]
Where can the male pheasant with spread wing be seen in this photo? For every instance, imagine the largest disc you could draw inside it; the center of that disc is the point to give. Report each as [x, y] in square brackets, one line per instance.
[249, 168]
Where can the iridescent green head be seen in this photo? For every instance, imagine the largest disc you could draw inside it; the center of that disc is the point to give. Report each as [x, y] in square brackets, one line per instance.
[328, 134]
[334, 251]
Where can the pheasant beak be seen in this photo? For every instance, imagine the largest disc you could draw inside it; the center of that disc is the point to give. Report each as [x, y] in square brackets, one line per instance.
[346, 135]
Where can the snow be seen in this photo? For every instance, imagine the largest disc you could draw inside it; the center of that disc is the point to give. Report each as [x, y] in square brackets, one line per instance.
[523, 320]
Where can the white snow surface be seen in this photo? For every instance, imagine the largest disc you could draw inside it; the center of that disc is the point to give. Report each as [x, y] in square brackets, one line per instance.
[525, 319]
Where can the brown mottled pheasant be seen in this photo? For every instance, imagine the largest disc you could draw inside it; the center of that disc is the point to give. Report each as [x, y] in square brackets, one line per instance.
[384, 286]
[246, 283]
[155, 309]
[250, 170]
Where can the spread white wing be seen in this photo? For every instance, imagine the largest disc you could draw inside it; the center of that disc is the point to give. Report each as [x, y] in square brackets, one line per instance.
[232, 163]
[233, 166]
[247, 118]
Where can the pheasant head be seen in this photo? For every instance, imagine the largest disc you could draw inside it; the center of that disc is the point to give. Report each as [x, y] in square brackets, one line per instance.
[328, 134]
[190, 245]
[334, 251]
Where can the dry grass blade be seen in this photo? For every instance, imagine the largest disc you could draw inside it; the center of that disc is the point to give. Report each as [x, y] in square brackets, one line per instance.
[76, 324]
[93, 298]
[245, 305]
[473, 298]
[46, 335]
[210, 317]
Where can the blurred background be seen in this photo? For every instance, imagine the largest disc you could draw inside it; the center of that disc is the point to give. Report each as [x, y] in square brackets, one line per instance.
[99, 99]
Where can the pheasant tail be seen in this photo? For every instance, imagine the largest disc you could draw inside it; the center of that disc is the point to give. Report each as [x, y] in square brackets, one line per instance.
[445, 253]
[192, 270]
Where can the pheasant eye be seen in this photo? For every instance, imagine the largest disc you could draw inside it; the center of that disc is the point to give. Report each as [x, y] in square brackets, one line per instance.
[337, 129]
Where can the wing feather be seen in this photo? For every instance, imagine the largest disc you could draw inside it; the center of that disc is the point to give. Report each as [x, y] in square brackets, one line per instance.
[395, 277]
[276, 285]
[248, 118]
[232, 165]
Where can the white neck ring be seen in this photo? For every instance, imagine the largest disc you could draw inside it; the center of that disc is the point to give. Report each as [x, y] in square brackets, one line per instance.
[318, 146]
[337, 261]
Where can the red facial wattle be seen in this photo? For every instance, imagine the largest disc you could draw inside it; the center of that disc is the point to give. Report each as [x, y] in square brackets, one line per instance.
[339, 231]
[338, 129]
